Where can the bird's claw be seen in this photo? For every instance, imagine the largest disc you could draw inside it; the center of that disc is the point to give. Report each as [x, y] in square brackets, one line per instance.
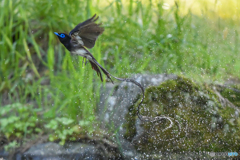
[84, 62]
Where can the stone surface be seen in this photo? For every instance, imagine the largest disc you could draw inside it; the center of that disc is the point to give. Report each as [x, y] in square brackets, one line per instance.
[206, 124]
[208, 121]
[54, 151]
[115, 102]
[116, 99]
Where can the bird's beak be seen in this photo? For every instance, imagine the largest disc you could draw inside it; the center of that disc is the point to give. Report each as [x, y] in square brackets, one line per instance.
[56, 33]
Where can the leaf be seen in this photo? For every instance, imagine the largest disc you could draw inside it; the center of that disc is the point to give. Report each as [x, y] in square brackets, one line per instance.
[53, 124]
[65, 121]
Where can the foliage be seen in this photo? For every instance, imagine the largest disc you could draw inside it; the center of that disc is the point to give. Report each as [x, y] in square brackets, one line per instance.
[18, 119]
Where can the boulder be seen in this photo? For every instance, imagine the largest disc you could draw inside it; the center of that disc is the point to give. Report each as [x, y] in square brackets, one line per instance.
[208, 122]
[116, 102]
[69, 151]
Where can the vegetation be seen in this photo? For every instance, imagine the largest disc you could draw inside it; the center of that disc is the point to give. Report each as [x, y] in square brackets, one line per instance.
[44, 89]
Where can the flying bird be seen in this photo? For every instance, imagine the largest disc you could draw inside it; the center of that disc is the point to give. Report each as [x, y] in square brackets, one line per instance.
[83, 36]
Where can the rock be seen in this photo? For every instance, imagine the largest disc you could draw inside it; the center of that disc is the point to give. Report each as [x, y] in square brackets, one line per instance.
[3, 154]
[206, 124]
[54, 151]
[231, 92]
[113, 107]
[115, 102]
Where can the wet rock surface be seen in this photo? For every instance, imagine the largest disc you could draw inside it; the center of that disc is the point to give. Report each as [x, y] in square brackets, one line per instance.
[50, 150]
[206, 124]
[208, 120]
[69, 151]
[115, 103]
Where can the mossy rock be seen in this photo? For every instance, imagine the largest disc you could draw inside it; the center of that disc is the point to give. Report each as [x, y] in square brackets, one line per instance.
[232, 93]
[206, 124]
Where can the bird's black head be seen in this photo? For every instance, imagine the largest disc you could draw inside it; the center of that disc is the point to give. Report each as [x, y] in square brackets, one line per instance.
[64, 39]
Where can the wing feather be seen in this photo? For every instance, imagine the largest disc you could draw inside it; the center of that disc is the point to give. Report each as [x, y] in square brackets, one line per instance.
[88, 32]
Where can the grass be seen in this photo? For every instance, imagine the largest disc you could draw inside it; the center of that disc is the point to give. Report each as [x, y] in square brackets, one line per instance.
[140, 37]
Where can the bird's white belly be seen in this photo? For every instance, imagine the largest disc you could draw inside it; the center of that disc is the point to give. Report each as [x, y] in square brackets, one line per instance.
[83, 53]
[80, 52]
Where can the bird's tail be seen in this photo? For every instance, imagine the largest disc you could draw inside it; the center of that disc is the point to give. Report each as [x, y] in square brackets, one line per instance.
[96, 66]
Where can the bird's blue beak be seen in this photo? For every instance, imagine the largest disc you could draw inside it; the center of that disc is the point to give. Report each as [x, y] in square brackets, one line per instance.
[56, 33]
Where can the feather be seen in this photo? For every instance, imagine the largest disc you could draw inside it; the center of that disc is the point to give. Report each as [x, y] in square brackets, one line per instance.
[95, 67]
[104, 70]
[87, 31]
[82, 51]
[93, 19]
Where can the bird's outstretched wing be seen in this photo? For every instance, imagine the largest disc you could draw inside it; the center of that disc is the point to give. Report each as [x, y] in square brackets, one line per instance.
[87, 32]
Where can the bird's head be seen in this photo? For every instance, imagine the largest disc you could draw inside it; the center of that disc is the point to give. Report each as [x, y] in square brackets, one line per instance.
[63, 37]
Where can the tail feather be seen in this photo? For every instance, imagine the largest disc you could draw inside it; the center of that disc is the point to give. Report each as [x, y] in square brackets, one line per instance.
[104, 70]
[95, 67]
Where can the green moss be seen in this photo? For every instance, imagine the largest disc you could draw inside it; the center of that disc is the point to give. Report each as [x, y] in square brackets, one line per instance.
[130, 118]
[206, 125]
[232, 93]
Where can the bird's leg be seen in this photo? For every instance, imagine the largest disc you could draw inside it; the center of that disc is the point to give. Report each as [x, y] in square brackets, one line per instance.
[83, 61]
[86, 62]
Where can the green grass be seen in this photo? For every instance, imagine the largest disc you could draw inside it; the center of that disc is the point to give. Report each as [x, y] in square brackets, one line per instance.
[139, 37]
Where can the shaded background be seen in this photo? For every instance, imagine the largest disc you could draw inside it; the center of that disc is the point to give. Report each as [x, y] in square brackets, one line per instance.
[45, 90]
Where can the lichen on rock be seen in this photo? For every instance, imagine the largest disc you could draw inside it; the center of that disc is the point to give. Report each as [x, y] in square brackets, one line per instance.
[206, 124]
[231, 92]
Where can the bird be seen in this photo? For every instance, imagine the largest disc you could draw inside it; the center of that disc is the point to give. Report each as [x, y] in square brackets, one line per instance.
[84, 36]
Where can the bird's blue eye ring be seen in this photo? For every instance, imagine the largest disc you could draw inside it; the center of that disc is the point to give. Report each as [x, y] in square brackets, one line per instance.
[62, 35]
